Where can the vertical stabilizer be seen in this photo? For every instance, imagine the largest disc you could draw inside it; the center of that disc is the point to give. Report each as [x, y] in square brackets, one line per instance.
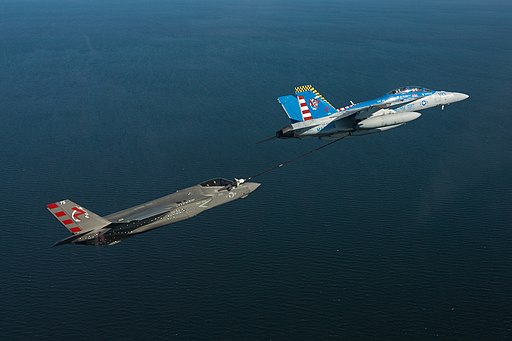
[312, 103]
[75, 218]
[291, 107]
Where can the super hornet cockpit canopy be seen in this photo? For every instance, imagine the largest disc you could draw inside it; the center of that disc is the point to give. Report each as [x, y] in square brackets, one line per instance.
[407, 89]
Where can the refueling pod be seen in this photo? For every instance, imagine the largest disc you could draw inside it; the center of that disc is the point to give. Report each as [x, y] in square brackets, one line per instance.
[388, 120]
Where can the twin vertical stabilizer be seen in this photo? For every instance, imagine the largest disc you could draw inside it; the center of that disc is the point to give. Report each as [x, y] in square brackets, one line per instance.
[307, 104]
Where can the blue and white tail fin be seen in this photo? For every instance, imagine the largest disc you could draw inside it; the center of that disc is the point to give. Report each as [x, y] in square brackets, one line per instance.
[307, 104]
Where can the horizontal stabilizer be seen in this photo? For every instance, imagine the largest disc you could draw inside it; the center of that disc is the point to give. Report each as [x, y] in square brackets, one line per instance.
[93, 234]
[70, 239]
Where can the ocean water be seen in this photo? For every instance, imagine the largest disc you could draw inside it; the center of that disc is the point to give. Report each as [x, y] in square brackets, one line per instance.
[405, 234]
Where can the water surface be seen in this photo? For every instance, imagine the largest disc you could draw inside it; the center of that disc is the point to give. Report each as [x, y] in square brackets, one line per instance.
[112, 103]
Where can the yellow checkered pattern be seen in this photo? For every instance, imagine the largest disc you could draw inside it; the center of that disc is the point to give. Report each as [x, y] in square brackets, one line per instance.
[304, 88]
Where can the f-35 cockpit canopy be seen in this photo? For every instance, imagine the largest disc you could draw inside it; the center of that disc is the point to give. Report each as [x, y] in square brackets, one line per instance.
[406, 89]
[219, 182]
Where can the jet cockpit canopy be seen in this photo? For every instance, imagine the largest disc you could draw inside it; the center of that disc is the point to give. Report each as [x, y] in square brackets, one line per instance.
[406, 89]
[219, 182]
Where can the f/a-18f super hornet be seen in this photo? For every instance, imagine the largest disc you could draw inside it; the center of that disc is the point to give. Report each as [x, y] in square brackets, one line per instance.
[312, 115]
[91, 229]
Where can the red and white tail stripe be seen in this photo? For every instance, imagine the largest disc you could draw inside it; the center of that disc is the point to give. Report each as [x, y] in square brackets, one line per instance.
[63, 217]
[306, 114]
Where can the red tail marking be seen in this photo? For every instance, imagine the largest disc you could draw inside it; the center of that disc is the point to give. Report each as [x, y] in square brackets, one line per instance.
[304, 109]
[75, 229]
[76, 212]
[52, 206]
[60, 214]
[67, 221]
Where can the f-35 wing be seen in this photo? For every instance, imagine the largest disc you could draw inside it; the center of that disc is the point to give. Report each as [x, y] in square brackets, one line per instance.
[155, 207]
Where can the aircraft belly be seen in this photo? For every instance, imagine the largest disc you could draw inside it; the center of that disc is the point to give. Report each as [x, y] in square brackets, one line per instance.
[328, 129]
[345, 125]
[337, 129]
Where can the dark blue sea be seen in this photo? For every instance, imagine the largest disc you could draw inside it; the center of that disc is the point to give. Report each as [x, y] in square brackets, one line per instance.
[400, 235]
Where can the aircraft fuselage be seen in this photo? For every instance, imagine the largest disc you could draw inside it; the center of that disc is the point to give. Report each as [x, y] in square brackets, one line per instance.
[183, 204]
[389, 111]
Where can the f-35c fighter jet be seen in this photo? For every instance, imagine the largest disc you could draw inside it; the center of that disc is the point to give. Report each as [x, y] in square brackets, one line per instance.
[312, 115]
[91, 229]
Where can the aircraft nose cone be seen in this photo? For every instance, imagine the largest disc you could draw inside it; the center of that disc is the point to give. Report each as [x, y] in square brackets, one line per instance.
[458, 96]
[252, 186]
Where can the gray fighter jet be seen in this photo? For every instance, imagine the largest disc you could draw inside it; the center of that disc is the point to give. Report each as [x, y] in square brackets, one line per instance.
[91, 229]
